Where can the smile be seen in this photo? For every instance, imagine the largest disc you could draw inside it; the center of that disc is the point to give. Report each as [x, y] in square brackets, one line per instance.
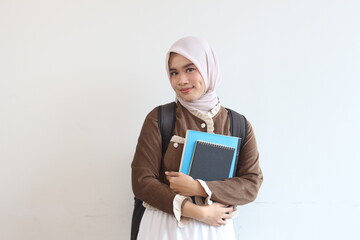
[186, 90]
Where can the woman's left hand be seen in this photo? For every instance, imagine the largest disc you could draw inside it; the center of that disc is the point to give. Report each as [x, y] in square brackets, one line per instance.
[185, 185]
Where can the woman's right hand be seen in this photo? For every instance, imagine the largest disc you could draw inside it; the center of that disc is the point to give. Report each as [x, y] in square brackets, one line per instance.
[215, 214]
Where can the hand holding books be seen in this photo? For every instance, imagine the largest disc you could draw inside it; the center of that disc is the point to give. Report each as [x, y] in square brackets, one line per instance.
[184, 184]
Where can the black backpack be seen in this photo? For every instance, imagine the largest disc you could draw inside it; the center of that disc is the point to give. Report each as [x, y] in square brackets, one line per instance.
[166, 123]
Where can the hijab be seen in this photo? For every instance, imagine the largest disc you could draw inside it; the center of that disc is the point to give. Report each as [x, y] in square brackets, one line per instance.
[202, 55]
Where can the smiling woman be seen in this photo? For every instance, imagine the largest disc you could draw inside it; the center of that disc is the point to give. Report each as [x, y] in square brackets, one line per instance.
[168, 194]
[185, 78]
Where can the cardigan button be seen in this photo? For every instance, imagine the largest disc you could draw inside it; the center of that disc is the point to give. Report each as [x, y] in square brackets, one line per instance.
[203, 125]
[176, 145]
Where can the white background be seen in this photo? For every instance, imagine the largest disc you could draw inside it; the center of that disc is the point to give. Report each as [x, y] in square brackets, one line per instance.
[78, 77]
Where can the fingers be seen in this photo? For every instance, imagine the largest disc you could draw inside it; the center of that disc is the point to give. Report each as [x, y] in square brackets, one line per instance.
[172, 174]
[230, 209]
[221, 214]
[220, 223]
[227, 215]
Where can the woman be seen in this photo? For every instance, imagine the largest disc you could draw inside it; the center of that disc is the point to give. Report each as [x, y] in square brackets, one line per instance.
[170, 212]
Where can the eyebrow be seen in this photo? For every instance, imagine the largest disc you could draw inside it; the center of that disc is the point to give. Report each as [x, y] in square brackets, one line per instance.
[185, 66]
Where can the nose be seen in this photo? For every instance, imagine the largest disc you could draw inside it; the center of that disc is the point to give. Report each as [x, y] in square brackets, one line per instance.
[183, 79]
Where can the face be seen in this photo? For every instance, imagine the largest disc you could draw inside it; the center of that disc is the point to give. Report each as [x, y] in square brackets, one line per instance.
[185, 78]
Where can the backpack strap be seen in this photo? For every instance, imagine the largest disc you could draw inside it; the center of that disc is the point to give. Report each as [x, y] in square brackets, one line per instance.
[238, 125]
[166, 123]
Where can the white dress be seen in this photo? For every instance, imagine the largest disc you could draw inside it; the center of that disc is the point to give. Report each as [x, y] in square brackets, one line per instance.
[158, 225]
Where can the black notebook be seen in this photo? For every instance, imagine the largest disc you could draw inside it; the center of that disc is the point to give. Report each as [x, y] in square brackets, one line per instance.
[211, 161]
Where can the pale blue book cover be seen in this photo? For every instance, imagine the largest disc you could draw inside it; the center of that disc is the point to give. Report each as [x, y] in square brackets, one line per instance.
[190, 141]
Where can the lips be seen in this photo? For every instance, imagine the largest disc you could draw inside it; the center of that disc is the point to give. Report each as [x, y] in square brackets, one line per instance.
[185, 90]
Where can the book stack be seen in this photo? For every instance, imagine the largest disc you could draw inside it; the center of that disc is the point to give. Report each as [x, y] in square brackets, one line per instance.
[208, 156]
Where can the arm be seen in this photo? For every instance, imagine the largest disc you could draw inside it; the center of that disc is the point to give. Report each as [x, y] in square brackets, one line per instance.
[146, 167]
[242, 188]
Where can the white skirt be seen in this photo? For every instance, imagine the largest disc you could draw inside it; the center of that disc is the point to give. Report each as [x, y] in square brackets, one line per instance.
[158, 225]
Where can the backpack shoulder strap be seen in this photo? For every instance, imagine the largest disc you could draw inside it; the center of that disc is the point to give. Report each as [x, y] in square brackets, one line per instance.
[166, 123]
[238, 125]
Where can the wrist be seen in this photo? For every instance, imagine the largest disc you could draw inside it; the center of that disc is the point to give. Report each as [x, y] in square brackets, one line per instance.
[200, 190]
[192, 210]
[200, 213]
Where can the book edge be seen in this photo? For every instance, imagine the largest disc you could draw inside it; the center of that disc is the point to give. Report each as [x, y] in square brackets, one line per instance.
[183, 152]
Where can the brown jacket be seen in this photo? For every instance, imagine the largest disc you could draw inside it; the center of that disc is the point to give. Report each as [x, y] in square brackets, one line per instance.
[148, 179]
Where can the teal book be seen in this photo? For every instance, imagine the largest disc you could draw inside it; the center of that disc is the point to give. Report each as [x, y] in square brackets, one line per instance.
[209, 156]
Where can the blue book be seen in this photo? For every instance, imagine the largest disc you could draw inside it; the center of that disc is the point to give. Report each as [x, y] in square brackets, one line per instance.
[209, 156]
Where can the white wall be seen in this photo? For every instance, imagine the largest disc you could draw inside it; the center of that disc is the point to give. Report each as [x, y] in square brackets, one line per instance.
[78, 77]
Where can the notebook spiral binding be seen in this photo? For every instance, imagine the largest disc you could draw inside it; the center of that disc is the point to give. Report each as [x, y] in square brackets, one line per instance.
[214, 144]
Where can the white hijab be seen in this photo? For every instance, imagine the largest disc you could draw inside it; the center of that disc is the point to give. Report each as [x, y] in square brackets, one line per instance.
[201, 54]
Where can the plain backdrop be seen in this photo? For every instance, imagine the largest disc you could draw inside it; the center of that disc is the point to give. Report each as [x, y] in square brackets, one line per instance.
[77, 78]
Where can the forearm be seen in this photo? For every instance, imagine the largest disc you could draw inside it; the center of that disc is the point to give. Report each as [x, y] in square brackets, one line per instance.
[191, 210]
[244, 187]
[152, 191]
[235, 191]
[146, 167]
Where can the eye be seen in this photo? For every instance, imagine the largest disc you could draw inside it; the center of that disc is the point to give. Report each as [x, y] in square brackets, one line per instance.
[173, 73]
[190, 69]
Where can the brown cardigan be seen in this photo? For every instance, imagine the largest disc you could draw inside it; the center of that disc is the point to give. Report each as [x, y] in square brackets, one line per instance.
[148, 179]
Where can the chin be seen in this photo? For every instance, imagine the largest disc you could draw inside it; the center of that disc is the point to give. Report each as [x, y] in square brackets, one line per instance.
[190, 99]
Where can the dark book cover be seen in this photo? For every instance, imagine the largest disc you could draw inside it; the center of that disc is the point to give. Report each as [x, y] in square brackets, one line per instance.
[191, 139]
[211, 161]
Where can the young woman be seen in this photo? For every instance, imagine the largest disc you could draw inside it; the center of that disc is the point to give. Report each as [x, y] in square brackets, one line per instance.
[170, 211]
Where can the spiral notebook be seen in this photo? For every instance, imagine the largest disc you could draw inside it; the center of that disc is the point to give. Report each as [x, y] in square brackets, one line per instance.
[193, 137]
[211, 161]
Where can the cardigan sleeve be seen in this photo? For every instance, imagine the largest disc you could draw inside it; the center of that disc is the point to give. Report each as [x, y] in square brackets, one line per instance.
[146, 167]
[244, 187]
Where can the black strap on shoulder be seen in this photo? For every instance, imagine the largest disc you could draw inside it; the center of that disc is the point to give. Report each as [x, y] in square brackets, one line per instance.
[238, 125]
[166, 123]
